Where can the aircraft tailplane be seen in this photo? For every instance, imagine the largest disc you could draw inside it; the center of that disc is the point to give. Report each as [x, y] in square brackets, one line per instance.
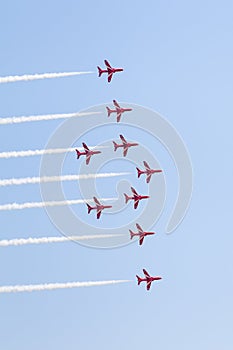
[139, 279]
[115, 145]
[131, 234]
[109, 111]
[78, 153]
[126, 198]
[100, 71]
[139, 172]
[89, 208]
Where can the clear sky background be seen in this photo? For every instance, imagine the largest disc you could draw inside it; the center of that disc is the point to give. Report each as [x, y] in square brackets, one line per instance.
[178, 59]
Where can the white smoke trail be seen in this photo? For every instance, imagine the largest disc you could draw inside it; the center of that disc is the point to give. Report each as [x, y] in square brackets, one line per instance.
[45, 240]
[29, 77]
[53, 286]
[41, 152]
[36, 180]
[37, 118]
[29, 205]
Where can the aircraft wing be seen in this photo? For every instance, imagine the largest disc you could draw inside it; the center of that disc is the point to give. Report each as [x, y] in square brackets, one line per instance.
[107, 64]
[88, 158]
[148, 285]
[141, 240]
[96, 201]
[146, 273]
[139, 228]
[123, 139]
[118, 117]
[136, 202]
[146, 165]
[125, 151]
[134, 191]
[98, 213]
[110, 74]
[148, 178]
[116, 104]
[85, 147]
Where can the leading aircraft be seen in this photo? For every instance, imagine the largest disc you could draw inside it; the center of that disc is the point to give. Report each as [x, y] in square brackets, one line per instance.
[148, 279]
[99, 207]
[87, 152]
[126, 145]
[110, 70]
[148, 171]
[141, 233]
[136, 197]
[119, 110]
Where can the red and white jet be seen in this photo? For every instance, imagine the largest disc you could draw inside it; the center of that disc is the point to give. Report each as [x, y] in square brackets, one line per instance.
[126, 145]
[148, 279]
[87, 152]
[148, 171]
[99, 207]
[119, 110]
[142, 234]
[110, 70]
[136, 197]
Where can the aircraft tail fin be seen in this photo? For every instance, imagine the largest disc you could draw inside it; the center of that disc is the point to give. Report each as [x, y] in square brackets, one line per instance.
[126, 198]
[109, 111]
[139, 172]
[100, 71]
[78, 153]
[139, 279]
[115, 145]
[89, 208]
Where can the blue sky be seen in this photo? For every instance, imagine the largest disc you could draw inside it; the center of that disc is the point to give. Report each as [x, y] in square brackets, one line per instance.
[178, 61]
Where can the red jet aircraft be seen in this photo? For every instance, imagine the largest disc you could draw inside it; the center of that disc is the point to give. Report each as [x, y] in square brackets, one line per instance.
[148, 171]
[126, 145]
[142, 234]
[87, 152]
[110, 70]
[148, 279]
[136, 197]
[119, 110]
[99, 207]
